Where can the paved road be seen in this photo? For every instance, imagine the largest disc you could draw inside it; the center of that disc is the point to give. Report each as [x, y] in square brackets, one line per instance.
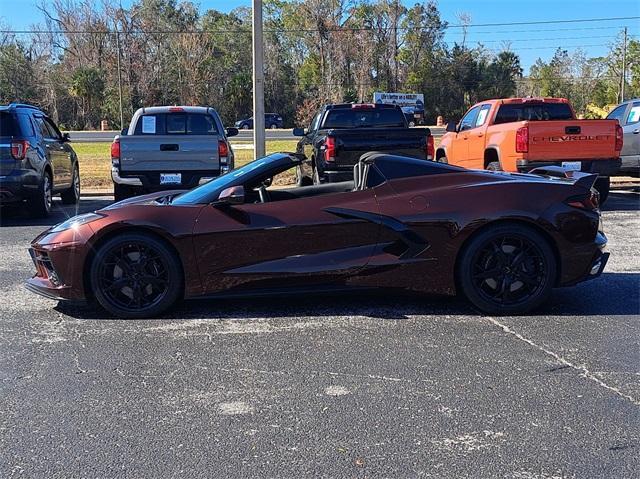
[244, 135]
[358, 386]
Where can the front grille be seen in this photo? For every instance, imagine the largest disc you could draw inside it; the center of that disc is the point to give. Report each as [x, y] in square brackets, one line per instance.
[44, 267]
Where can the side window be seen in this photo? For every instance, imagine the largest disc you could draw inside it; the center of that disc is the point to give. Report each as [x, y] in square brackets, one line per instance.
[618, 114]
[482, 115]
[41, 126]
[634, 113]
[468, 121]
[53, 129]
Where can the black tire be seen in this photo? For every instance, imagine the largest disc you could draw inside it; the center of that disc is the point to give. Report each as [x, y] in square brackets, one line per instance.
[317, 179]
[412, 124]
[442, 159]
[245, 127]
[71, 196]
[510, 256]
[603, 185]
[41, 203]
[494, 166]
[135, 275]
[121, 192]
[302, 180]
[273, 126]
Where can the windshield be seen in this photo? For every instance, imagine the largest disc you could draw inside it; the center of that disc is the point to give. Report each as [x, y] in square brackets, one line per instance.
[245, 175]
[364, 118]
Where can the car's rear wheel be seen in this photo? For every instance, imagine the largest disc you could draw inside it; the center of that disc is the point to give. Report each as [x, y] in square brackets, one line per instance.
[135, 275]
[41, 203]
[507, 269]
[245, 127]
[494, 166]
[273, 126]
[603, 185]
[72, 195]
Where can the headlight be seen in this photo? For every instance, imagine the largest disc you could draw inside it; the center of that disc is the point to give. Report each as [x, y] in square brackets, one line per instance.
[76, 221]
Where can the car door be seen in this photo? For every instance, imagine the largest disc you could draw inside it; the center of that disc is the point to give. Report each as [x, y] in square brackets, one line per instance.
[54, 151]
[461, 141]
[477, 141]
[64, 150]
[631, 142]
[288, 243]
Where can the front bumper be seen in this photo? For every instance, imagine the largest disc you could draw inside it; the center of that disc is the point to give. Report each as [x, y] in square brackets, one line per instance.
[607, 167]
[49, 280]
[18, 185]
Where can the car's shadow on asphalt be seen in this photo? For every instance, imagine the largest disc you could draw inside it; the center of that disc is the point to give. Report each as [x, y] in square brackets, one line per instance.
[623, 200]
[19, 215]
[612, 294]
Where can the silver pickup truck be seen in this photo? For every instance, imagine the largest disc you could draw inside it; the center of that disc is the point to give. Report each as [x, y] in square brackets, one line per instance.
[170, 147]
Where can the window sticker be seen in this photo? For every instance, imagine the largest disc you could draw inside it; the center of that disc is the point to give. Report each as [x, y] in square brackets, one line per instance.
[634, 115]
[149, 124]
[482, 116]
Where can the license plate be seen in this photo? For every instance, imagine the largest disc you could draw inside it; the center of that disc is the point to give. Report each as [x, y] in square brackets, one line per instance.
[170, 178]
[572, 165]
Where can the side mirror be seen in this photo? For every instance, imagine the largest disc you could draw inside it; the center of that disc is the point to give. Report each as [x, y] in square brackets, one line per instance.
[298, 132]
[234, 195]
[452, 127]
[232, 131]
[124, 131]
[66, 137]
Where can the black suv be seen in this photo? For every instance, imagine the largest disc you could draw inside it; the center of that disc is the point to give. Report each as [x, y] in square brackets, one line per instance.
[271, 120]
[36, 160]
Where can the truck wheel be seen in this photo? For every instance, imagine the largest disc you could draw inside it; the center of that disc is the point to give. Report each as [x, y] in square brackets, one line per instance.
[316, 176]
[40, 205]
[603, 185]
[506, 269]
[273, 126]
[494, 166]
[71, 196]
[412, 124]
[121, 192]
[245, 127]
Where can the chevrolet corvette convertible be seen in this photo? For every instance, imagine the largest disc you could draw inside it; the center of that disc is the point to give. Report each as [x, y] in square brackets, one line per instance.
[501, 240]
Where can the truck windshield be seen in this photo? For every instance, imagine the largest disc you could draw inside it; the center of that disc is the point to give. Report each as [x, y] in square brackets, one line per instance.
[533, 112]
[364, 118]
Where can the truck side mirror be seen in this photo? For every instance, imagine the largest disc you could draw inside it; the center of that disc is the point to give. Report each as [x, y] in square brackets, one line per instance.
[65, 137]
[234, 195]
[452, 127]
[298, 132]
[232, 131]
[124, 131]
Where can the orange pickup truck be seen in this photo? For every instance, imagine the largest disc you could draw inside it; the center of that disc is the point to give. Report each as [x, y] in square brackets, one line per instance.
[519, 134]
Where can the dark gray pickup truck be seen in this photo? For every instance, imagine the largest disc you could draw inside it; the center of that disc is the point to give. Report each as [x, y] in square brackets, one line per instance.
[340, 134]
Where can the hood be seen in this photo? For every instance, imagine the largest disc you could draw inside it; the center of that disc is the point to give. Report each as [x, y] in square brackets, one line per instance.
[144, 199]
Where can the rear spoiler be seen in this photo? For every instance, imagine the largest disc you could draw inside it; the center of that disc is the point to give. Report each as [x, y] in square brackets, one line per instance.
[585, 180]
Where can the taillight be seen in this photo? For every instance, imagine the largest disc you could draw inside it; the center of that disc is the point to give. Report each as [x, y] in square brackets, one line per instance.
[115, 149]
[223, 151]
[522, 140]
[19, 149]
[590, 201]
[619, 138]
[430, 148]
[330, 149]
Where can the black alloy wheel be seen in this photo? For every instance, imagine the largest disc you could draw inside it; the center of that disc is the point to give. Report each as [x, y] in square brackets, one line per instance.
[136, 275]
[507, 269]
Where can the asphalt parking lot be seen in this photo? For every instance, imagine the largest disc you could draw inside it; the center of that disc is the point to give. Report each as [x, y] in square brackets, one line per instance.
[364, 386]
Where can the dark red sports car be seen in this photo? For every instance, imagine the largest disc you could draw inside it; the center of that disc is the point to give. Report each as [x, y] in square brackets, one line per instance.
[502, 240]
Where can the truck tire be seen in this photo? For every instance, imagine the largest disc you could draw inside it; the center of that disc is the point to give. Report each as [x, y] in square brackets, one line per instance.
[603, 185]
[41, 203]
[494, 166]
[121, 192]
[71, 196]
[316, 176]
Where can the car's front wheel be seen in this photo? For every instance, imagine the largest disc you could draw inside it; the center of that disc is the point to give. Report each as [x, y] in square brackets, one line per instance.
[507, 269]
[135, 275]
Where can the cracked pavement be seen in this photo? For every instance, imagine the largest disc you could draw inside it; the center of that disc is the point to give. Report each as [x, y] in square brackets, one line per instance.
[353, 386]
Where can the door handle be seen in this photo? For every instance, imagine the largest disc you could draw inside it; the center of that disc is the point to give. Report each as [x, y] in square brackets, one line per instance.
[480, 135]
[169, 147]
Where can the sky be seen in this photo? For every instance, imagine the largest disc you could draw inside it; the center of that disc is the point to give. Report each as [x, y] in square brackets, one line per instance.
[529, 41]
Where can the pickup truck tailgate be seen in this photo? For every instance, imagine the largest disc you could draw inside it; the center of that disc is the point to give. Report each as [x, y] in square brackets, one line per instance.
[168, 153]
[351, 144]
[572, 140]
